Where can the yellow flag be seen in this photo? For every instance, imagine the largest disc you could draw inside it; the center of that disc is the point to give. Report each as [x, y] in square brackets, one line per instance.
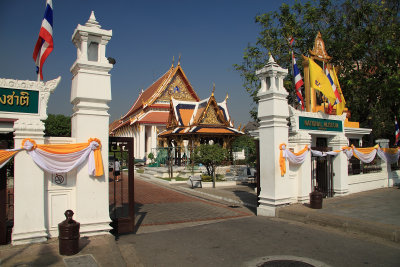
[340, 106]
[320, 82]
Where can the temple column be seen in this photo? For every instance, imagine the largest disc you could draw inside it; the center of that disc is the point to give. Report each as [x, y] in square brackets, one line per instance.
[154, 140]
[141, 140]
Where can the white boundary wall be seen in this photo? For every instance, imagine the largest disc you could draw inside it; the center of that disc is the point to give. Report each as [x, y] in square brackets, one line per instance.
[294, 186]
[40, 201]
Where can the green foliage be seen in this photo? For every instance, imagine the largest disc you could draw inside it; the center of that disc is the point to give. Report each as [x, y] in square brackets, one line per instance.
[208, 178]
[210, 156]
[362, 36]
[151, 156]
[246, 143]
[57, 125]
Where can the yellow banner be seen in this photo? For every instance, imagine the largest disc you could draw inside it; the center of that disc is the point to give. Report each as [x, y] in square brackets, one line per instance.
[320, 82]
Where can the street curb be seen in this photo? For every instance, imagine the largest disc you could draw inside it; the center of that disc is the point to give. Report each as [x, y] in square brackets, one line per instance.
[309, 216]
[219, 197]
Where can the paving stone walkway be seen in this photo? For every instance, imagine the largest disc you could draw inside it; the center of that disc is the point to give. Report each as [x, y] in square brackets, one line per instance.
[158, 208]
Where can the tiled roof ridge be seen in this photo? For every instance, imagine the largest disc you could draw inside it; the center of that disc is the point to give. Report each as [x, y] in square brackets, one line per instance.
[159, 80]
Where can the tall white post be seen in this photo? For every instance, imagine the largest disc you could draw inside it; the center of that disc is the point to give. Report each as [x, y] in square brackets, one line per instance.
[90, 94]
[273, 131]
[340, 166]
[298, 142]
[29, 179]
[28, 187]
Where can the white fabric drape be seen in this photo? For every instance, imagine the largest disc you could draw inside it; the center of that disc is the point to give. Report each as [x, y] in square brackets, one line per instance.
[61, 163]
[293, 158]
[318, 153]
[365, 158]
[5, 162]
[389, 158]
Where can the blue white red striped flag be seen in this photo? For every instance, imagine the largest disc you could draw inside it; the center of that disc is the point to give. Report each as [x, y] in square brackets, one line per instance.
[44, 44]
[397, 132]
[335, 90]
[298, 82]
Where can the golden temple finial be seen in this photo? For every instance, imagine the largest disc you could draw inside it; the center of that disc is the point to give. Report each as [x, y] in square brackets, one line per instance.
[318, 51]
[179, 59]
[240, 126]
[212, 94]
[173, 60]
[227, 96]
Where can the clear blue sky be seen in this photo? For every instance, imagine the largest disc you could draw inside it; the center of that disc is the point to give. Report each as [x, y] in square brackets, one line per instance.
[210, 35]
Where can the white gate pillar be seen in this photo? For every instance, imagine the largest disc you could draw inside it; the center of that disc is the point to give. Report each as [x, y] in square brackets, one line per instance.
[90, 94]
[29, 183]
[340, 166]
[28, 187]
[298, 142]
[273, 131]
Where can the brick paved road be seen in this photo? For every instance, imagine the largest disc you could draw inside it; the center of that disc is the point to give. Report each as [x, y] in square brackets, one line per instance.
[157, 207]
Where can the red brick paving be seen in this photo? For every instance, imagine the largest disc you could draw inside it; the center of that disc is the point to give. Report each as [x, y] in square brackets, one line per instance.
[157, 205]
[147, 193]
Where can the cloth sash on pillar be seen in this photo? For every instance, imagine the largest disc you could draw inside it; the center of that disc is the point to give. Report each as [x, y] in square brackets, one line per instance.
[293, 157]
[60, 158]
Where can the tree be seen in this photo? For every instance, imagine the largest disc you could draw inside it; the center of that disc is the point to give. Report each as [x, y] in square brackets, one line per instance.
[210, 156]
[57, 125]
[362, 36]
[246, 143]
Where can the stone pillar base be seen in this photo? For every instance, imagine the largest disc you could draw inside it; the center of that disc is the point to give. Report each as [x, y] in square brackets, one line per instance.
[303, 199]
[339, 192]
[267, 207]
[91, 229]
[29, 237]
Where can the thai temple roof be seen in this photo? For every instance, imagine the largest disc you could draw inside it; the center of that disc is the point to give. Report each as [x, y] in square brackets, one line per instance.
[199, 117]
[172, 93]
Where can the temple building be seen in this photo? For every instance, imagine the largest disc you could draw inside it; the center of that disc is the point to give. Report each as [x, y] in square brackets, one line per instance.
[169, 112]
[191, 123]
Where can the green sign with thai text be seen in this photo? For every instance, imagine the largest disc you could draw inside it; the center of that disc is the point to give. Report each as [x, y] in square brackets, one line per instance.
[18, 100]
[307, 123]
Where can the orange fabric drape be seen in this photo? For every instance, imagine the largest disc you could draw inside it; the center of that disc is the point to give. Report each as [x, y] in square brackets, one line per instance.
[282, 163]
[5, 155]
[301, 151]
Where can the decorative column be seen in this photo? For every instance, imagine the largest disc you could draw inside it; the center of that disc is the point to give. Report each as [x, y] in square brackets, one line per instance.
[273, 131]
[298, 139]
[154, 140]
[386, 168]
[29, 182]
[90, 94]
[340, 165]
[141, 141]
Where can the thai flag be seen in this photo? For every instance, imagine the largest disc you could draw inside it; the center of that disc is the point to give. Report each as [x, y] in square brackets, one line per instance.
[44, 44]
[397, 133]
[298, 82]
[335, 90]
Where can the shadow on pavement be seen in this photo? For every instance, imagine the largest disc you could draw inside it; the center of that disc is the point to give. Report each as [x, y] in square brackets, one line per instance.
[139, 216]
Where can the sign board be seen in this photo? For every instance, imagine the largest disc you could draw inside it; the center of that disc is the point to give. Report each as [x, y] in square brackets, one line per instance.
[19, 100]
[306, 123]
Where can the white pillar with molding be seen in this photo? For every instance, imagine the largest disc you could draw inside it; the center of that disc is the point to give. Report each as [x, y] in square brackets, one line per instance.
[273, 131]
[340, 165]
[90, 94]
